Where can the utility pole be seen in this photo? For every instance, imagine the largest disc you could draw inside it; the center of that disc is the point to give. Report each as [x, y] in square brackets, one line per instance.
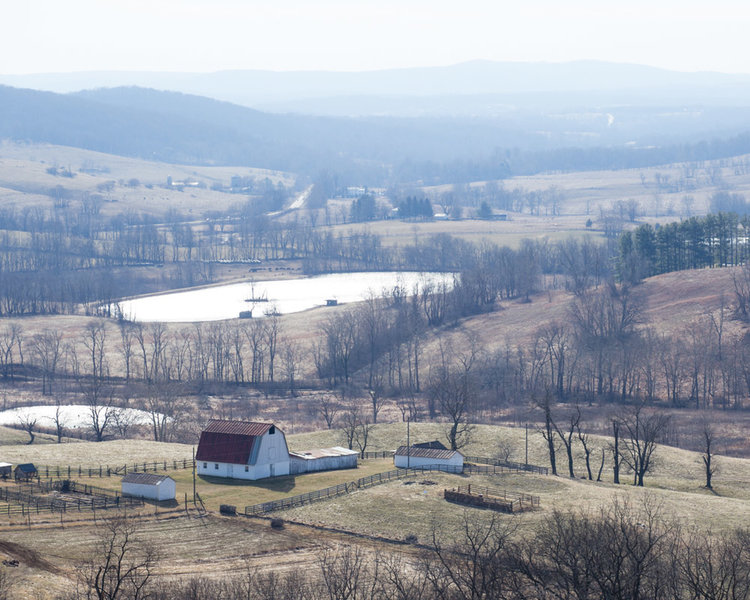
[526, 426]
[408, 442]
[193, 473]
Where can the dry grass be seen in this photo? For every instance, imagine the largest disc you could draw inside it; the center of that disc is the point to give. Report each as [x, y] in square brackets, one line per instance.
[24, 166]
[92, 454]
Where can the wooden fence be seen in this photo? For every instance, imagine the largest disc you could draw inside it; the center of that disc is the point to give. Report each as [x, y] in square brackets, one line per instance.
[492, 498]
[68, 471]
[61, 496]
[508, 464]
[343, 488]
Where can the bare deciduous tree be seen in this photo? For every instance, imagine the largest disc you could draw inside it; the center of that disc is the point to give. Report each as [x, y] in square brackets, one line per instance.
[120, 565]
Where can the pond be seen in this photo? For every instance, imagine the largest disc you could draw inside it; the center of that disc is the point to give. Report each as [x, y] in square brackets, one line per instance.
[267, 297]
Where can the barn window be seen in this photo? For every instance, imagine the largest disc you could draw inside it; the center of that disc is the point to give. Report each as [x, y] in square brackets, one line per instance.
[247, 468]
[272, 430]
[216, 466]
[205, 465]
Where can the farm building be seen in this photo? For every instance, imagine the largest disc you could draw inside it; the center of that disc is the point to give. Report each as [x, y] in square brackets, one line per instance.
[149, 485]
[324, 459]
[242, 450]
[428, 454]
[25, 471]
[5, 470]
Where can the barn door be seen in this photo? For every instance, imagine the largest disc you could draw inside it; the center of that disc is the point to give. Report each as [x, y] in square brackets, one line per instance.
[229, 470]
[271, 469]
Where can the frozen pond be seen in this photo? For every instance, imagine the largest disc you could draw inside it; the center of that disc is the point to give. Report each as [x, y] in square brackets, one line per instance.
[284, 296]
[72, 416]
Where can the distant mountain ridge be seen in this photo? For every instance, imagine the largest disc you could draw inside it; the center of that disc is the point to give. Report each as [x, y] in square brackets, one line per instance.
[274, 90]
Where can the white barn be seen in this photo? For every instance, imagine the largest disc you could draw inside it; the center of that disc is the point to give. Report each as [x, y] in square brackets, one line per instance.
[242, 450]
[149, 485]
[323, 459]
[428, 454]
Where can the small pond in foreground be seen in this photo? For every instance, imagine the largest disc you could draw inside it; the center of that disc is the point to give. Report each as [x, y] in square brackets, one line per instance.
[284, 296]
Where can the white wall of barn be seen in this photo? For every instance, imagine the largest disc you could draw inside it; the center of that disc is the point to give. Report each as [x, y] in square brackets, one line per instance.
[249, 472]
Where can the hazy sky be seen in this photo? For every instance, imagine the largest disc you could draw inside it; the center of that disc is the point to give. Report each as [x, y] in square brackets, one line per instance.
[209, 35]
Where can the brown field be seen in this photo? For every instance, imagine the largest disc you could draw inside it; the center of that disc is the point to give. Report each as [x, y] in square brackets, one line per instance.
[23, 167]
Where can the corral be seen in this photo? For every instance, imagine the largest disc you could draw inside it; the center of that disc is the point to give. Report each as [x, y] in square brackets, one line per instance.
[494, 499]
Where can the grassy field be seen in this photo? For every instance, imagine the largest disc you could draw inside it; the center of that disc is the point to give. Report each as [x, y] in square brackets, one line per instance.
[215, 490]
[394, 510]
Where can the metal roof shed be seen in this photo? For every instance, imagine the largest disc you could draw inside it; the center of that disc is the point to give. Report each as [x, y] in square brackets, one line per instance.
[428, 455]
[323, 459]
[149, 485]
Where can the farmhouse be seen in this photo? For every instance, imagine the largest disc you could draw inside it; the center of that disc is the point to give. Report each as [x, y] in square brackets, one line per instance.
[242, 450]
[5, 469]
[428, 454]
[324, 459]
[149, 485]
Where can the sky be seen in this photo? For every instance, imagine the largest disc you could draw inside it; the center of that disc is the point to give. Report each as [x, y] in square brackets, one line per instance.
[49, 36]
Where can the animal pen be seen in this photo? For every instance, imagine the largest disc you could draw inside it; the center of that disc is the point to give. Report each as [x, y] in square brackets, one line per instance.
[61, 497]
[493, 499]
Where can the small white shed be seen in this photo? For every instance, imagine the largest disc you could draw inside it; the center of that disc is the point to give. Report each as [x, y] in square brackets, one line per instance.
[323, 459]
[149, 485]
[430, 454]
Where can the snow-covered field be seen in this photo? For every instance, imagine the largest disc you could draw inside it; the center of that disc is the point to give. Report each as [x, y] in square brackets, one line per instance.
[73, 416]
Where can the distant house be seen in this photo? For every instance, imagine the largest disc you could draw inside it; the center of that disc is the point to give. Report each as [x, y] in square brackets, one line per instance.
[25, 472]
[323, 459]
[242, 450]
[149, 485]
[5, 469]
[428, 454]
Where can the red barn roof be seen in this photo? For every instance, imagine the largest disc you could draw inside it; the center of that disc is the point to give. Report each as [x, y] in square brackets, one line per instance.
[230, 441]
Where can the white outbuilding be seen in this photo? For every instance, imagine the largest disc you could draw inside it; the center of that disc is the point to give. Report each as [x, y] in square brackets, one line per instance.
[149, 485]
[242, 450]
[429, 454]
[323, 459]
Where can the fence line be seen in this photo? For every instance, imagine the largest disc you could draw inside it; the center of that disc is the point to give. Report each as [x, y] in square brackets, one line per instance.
[493, 498]
[344, 488]
[32, 497]
[508, 464]
[68, 471]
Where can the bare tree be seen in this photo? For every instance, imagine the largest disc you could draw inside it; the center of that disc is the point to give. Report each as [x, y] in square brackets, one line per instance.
[643, 428]
[708, 441]
[27, 421]
[329, 409]
[474, 564]
[46, 349]
[574, 420]
[120, 565]
[453, 386]
[59, 420]
[584, 439]
[548, 432]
